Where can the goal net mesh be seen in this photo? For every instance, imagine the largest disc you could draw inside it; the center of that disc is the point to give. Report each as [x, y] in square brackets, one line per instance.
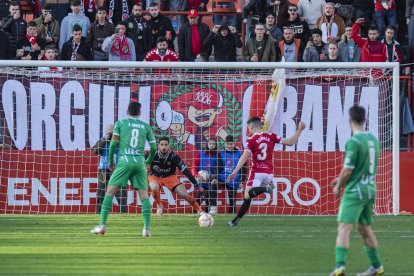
[50, 120]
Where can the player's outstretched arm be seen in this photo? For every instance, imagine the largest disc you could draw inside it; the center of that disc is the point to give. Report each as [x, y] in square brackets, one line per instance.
[153, 150]
[242, 161]
[294, 138]
[341, 180]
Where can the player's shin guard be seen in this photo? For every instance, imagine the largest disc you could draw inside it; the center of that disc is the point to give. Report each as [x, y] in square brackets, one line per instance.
[243, 210]
[106, 208]
[194, 204]
[373, 256]
[146, 213]
[256, 191]
[341, 254]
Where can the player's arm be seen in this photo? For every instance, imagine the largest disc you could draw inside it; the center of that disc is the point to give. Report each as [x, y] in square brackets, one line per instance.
[112, 146]
[240, 163]
[294, 138]
[341, 180]
[179, 163]
[153, 146]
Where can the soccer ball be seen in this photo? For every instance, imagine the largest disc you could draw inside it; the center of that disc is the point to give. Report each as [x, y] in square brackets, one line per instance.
[206, 220]
[203, 175]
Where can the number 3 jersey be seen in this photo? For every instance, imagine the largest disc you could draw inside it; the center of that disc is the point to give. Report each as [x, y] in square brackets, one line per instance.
[261, 147]
[133, 133]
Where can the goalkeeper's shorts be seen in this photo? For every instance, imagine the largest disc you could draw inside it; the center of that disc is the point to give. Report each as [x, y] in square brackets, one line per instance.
[132, 171]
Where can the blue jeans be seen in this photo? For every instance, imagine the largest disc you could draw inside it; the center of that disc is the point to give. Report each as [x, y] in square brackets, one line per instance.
[382, 17]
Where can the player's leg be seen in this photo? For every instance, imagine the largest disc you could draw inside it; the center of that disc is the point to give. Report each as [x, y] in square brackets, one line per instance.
[370, 241]
[231, 192]
[350, 210]
[182, 193]
[247, 199]
[139, 180]
[155, 190]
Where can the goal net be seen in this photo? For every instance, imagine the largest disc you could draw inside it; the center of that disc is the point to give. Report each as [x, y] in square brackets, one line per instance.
[50, 120]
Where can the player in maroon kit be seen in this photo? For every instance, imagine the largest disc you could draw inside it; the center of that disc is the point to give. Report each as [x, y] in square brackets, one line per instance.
[260, 146]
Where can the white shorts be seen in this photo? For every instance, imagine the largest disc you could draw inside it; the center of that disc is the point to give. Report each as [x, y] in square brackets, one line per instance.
[259, 179]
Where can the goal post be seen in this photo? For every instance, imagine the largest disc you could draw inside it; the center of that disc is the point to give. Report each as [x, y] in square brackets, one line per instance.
[50, 120]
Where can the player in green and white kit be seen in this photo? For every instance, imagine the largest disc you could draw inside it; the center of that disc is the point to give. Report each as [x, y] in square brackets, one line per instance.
[357, 205]
[130, 135]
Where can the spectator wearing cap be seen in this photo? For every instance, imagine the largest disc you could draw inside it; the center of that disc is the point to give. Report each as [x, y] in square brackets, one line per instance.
[76, 48]
[191, 37]
[187, 5]
[48, 27]
[394, 53]
[299, 25]
[290, 48]
[372, 50]
[385, 14]
[14, 26]
[118, 10]
[100, 29]
[32, 47]
[160, 25]
[119, 46]
[311, 11]
[331, 25]
[225, 40]
[271, 28]
[315, 50]
[75, 18]
[261, 48]
[349, 51]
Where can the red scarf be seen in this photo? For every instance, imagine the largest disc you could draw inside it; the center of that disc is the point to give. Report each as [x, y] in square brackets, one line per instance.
[120, 48]
[51, 68]
[88, 5]
[32, 39]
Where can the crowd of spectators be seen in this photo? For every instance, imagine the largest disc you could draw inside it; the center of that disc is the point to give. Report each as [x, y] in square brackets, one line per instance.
[309, 31]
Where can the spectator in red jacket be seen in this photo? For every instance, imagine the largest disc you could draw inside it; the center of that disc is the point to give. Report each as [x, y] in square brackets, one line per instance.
[161, 53]
[393, 47]
[372, 50]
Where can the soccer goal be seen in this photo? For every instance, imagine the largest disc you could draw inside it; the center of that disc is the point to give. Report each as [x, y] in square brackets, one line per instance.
[51, 118]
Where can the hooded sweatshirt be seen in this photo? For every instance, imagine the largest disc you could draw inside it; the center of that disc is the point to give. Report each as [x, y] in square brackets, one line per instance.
[67, 24]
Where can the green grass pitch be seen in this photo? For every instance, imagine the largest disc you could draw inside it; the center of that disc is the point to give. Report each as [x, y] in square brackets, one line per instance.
[259, 245]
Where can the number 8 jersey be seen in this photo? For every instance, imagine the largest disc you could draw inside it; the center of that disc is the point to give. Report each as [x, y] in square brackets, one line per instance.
[261, 147]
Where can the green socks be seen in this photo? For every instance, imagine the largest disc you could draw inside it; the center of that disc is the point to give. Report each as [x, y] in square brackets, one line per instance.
[373, 256]
[106, 207]
[146, 213]
[341, 254]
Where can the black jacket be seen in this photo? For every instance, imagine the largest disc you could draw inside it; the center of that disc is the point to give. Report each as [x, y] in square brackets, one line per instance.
[117, 13]
[5, 51]
[224, 46]
[300, 28]
[257, 7]
[185, 38]
[97, 34]
[158, 27]
[84, 50]
[16, 30]
[139, 32]
[4, 8]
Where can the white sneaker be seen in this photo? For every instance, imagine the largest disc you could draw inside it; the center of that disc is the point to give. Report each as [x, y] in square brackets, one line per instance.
[372, 271]
[201, 213]
[213, 210]
[160, 211]
[98, 230]
[338, 271]
[146, 233]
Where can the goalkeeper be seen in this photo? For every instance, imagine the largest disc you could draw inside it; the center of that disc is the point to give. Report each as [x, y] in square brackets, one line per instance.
[130, 134]
[357, 203]
[162, 173]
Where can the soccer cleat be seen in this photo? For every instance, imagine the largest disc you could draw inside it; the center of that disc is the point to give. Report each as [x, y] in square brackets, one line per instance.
[160, 211]
[98, 230]
[338, 271]
[269, 188]
[146, 233]
[372, 271]
[201, 213]
[231, 223]
[213, 210]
